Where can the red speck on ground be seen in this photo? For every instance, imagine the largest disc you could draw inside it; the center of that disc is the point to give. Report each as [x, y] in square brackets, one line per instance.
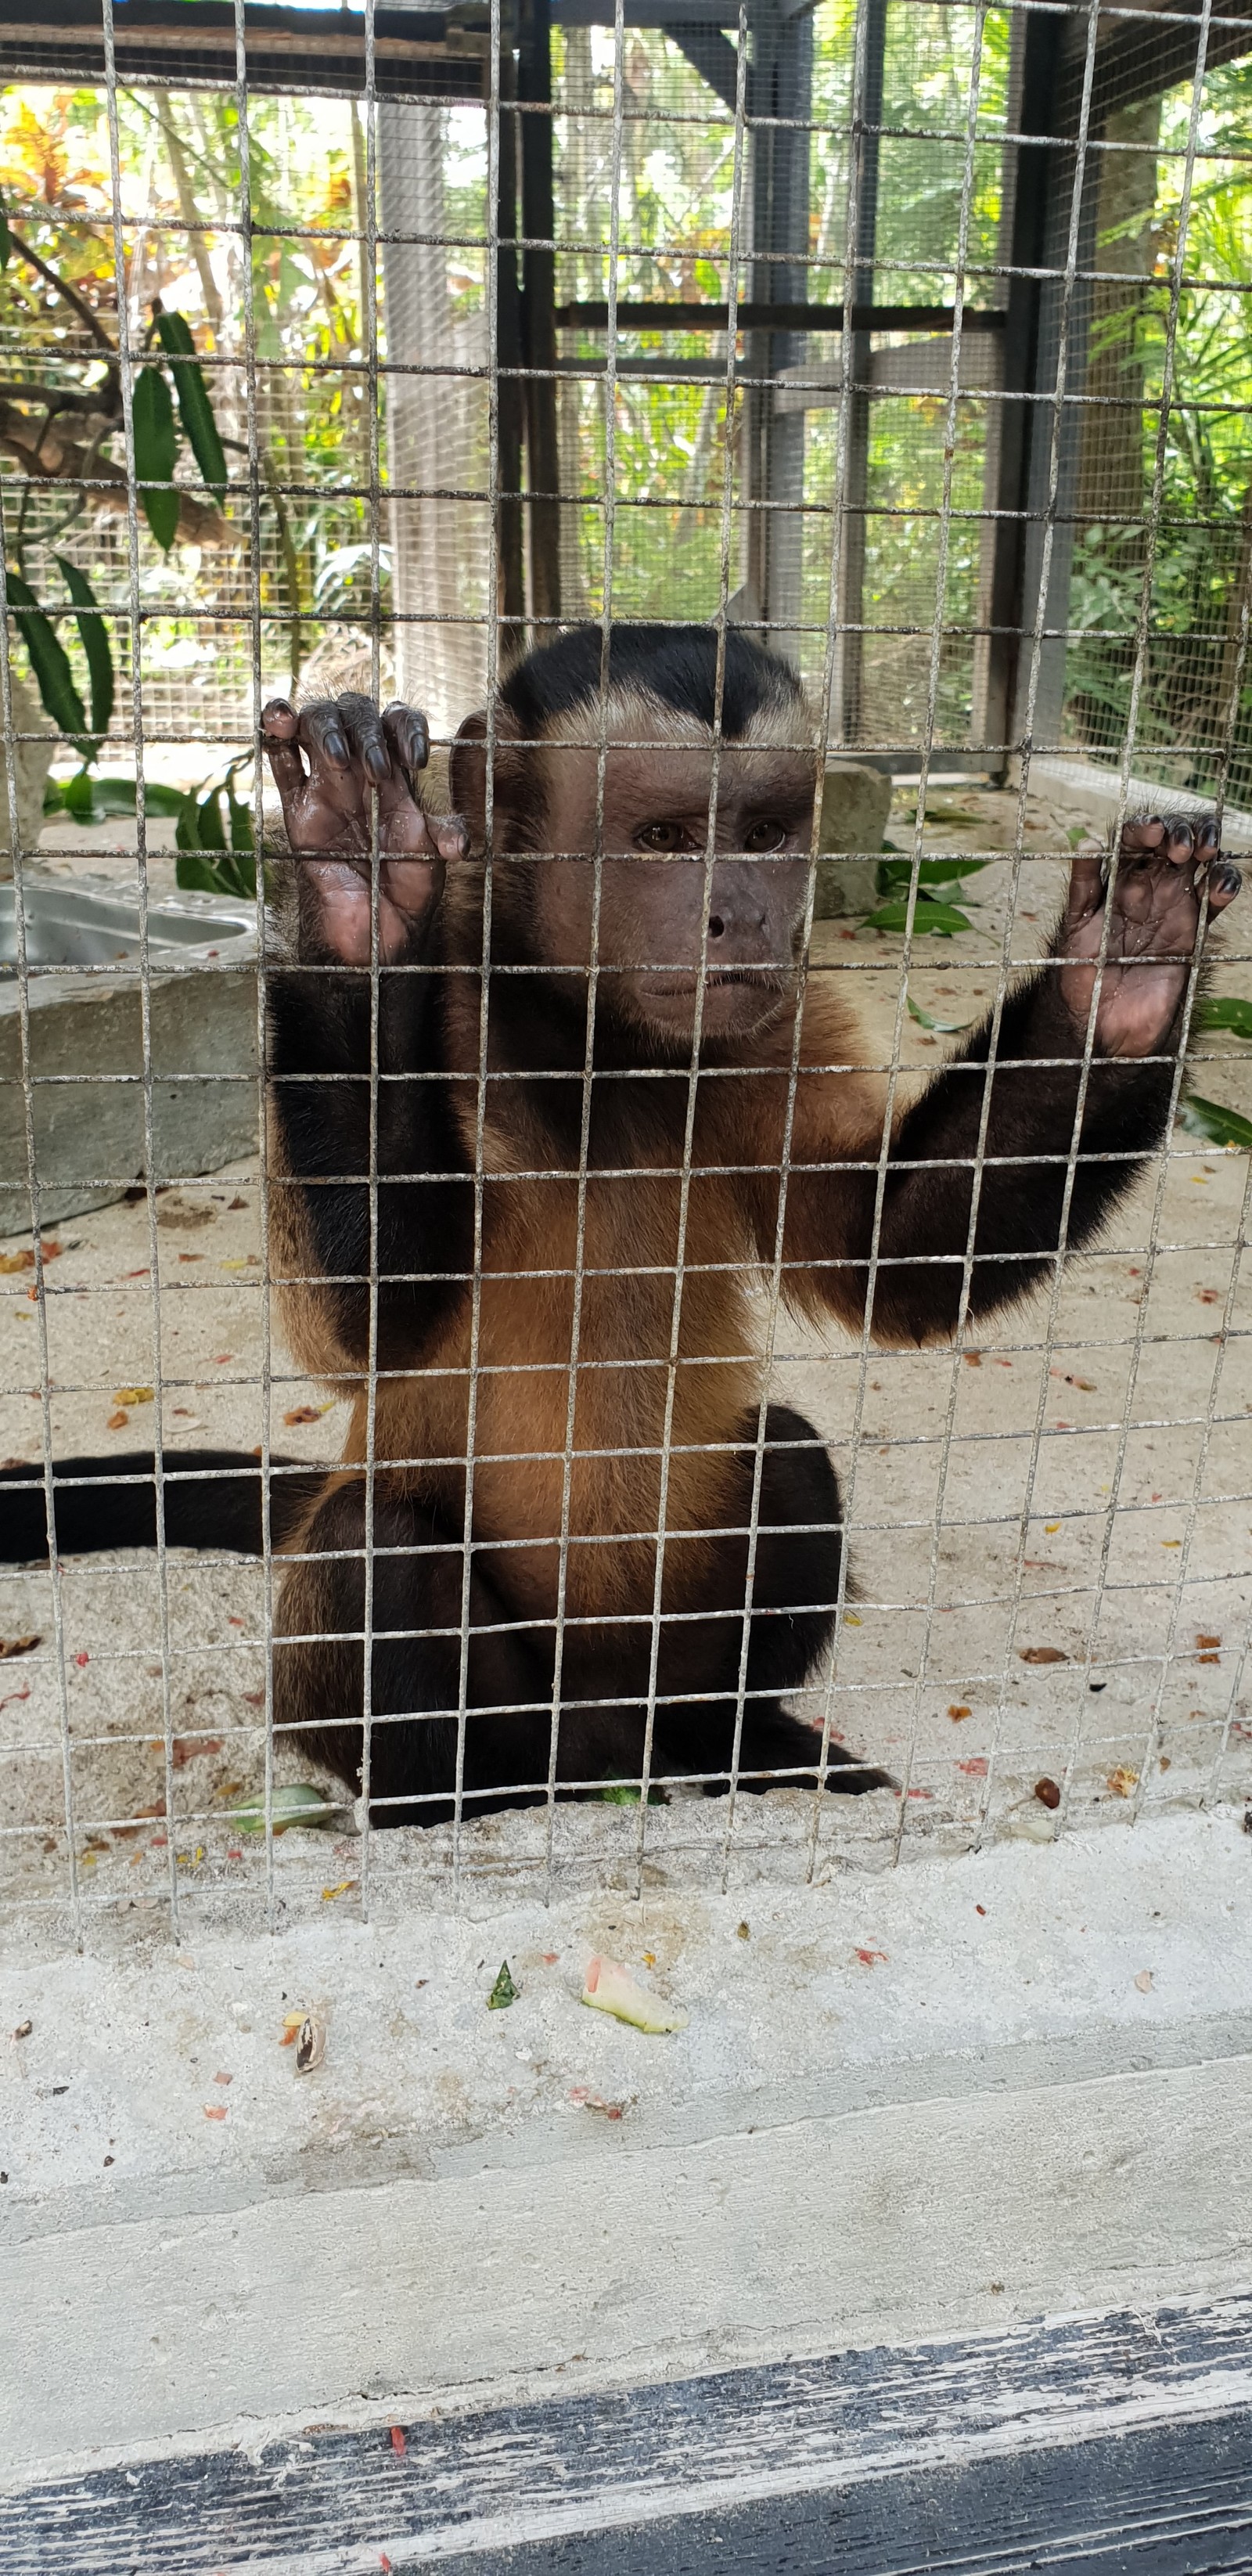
[868, 1957]
[398, 2443]
[81, 1660]
[975, 1770]
[215, 2110]
[980, 1909]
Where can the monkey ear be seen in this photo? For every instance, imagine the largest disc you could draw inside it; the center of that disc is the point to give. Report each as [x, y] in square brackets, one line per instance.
[467, 772]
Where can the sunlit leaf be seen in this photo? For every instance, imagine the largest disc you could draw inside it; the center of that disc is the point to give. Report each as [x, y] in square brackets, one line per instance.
[932, 872]
[1222, 1011]
[942, 1028]
[156, 446]
[941, 918]
[1217, 1125]
[94, 637]
[194, 406]
[51, 666]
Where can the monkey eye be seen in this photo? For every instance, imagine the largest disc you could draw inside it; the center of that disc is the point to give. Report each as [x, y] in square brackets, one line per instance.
[767, 834]
[661, 836]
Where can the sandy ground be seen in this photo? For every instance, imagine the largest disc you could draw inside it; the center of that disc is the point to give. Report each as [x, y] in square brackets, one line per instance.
[1076, 1488]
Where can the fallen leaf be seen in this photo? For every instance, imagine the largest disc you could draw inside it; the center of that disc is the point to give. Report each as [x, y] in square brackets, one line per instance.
[22, 1646]
[958, 1710]
[504, 1992]
[310, 2044]
[1144, 1981]
[11, 1262]
[1048, 1793]
[610, 1988]
[1123, 1782]
[1043, 1655]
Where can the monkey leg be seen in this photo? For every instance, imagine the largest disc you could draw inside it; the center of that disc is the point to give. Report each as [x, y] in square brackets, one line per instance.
[415, 1668]
[794, 1592]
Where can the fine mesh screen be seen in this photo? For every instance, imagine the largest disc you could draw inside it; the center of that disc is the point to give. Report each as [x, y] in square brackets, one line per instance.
[909, 341]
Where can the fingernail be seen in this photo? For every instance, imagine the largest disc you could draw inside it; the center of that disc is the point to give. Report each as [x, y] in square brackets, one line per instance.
[1228, 878]
[376, 762]
[337, 747]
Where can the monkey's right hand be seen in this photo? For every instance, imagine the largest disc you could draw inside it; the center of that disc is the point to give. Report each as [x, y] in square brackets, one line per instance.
[349, 749]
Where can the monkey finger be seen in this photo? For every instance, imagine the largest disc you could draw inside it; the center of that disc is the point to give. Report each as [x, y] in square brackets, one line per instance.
[450, 833]
[323, 735]
[407, 736]
[1224, 882]
[1086, 884]
[279, 722]
[362, 724]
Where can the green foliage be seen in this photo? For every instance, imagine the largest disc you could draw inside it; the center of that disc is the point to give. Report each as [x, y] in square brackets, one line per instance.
[94, 638]
[504, 1992]
[195, 408]
[941, 1028]
[941, 919]
[91, 799]
[1215, 1123]
[156, 447]
[50, 664]
[215, 842]
[1223, 1011]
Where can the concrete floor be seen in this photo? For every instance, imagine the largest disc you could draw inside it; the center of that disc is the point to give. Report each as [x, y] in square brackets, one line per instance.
[1078, 1485]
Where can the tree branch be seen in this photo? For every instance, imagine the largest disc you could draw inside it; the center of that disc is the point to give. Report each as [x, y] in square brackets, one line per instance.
[62, 460]
[69, 295]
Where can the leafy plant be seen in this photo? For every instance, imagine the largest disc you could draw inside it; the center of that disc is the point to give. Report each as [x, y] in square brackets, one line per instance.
[1215, 1123]
[1223, 1011]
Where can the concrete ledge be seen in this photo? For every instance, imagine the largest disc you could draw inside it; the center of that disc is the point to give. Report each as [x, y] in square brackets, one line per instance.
[939, 2104]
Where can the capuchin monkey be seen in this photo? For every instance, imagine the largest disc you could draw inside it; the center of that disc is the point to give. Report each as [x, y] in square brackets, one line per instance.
[531, 1242]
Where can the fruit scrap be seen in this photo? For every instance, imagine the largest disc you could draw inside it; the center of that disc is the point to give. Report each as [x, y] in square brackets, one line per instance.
[610, 1988]
[310, 2044]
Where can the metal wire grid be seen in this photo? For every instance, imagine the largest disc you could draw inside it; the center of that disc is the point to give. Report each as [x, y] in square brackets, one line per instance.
[833, 1692]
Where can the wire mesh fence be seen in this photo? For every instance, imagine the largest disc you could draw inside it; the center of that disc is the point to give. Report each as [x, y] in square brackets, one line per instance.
[909, 343]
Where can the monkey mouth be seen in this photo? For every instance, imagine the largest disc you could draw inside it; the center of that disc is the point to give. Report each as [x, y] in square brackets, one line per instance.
[753, 979]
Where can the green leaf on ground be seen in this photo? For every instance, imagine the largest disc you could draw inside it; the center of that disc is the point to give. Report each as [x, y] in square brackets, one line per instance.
[942, 1028]
[932, 872]
[1222, 1011]
[942, 919]
[1216, 1124]
[504, 1992]
[296, 1803]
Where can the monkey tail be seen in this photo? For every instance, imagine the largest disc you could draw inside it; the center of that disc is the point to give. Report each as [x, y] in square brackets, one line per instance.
[212, 1499]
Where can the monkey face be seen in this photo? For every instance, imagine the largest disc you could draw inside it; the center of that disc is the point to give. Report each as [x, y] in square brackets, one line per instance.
[701, 886]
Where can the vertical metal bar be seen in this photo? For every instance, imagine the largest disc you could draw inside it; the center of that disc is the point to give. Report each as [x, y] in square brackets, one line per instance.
[593, 958]
[534, 86]
[710, 855]
[1035, 181]
[480, 1103]
[254, 609]
[125, 366]
[369, 318]
[857, 358]
[511, 540]
[22, 960]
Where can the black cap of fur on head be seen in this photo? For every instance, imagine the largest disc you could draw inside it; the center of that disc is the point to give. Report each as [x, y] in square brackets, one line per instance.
[675, 664]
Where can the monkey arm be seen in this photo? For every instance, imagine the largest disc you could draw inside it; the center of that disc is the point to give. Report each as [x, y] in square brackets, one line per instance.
[322, 1041]
[1030, 1128]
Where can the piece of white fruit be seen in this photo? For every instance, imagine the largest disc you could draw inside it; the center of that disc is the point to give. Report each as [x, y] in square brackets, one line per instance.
[610, 1988]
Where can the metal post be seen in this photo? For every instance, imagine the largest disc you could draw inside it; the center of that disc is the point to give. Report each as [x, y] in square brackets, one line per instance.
[781, 86]
[510, 550]
[867, 117]
[534, 88]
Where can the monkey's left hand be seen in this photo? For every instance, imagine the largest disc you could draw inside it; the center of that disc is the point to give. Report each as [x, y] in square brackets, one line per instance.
[1154, 915]
[350, 748]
